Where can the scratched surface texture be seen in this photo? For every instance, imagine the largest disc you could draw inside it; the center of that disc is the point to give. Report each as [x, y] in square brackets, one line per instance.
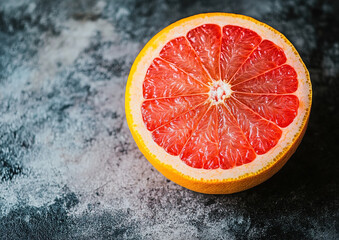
[69, 168]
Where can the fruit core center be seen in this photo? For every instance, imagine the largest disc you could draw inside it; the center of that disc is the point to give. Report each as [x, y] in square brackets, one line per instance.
[219, 91]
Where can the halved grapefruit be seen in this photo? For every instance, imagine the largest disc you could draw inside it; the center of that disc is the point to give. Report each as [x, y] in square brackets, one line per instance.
[218, 102]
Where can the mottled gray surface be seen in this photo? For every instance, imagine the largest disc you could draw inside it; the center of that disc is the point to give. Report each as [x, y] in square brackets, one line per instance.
[69, 168]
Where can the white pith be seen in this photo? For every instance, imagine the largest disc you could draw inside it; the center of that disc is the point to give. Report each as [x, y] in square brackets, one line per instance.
[136, 98]
[219, 91]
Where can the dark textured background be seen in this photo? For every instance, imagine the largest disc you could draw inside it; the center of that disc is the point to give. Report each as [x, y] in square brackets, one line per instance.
[69, 168]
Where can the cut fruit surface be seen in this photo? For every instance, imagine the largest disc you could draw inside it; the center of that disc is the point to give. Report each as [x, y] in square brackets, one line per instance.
[218, 102]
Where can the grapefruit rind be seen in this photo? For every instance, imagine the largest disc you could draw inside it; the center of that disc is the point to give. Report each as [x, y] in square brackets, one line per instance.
[216, 181]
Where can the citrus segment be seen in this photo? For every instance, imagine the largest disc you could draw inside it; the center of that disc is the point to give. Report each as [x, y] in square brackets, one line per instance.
[201, 150]
[180, 53]
[173, 135]
[166, 80]
[265, 57]
[282, 79]
[261, 134]
[205, 40]
[234, 148]
[158, 112]
[280, 109]
[237, 44]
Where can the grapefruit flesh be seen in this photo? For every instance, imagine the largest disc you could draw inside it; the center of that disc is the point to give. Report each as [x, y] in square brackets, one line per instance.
[217, 97]
[219, 129]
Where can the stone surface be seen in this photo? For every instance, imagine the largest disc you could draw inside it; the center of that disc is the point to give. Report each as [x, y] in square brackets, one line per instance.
[69, 168]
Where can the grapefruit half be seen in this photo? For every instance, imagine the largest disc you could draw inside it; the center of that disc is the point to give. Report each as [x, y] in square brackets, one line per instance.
[218, 102]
